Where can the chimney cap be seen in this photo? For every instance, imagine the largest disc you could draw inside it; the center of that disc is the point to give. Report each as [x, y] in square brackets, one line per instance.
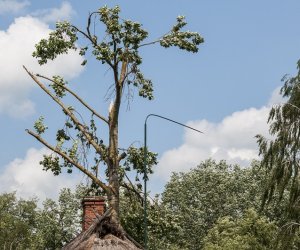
[93, 199]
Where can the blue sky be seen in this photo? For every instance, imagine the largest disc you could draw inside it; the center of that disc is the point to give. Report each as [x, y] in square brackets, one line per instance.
[225, 90]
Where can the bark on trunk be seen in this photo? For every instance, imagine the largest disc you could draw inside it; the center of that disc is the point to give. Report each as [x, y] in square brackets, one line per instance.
[113, 154]
[113, 196]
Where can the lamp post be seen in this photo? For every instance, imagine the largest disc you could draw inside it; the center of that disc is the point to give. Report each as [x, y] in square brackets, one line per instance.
[145, 169]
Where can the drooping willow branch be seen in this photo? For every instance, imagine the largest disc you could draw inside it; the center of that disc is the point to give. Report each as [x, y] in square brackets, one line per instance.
[292, 105]
[70, 160]
[77, 97]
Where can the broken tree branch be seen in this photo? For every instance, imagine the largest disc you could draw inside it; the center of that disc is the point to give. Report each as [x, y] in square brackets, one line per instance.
[69, 113]
[69, 159]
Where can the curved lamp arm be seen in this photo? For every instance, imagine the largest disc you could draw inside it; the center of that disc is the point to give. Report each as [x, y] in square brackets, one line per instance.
[145, 169]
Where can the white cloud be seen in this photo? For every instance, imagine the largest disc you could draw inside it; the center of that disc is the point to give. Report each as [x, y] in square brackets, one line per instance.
[232, 139]
[16, 47]
[8, 6]
[65, 12]
[29, 180]
[276, 97]
[15, 106]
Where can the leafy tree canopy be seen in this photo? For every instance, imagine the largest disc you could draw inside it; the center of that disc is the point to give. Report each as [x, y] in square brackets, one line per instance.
[201, 208]
[251, 231]
[24, 225]
[204, 194]
[17, 221]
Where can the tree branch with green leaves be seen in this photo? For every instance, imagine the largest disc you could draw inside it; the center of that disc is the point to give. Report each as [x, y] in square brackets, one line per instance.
[69, 158]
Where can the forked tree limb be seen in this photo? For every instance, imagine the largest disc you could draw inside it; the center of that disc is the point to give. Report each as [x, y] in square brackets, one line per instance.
[77, 97]
[69, 113]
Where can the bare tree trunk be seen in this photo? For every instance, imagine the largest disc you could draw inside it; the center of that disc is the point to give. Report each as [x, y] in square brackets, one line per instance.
[113, 196]
[113, 154]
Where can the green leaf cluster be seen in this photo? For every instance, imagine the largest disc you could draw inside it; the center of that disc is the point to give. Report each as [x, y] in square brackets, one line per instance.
[39, 126]
[123, 40]
[136, 160]
[58, 86]
[59, 42]
[51, 162]
[185, 40]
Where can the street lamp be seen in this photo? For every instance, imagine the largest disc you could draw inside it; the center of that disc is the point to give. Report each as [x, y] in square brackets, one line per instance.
[145, 169]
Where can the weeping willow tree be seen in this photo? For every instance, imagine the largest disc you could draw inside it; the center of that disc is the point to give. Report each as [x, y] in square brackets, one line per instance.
[281, 154]
[117, 48]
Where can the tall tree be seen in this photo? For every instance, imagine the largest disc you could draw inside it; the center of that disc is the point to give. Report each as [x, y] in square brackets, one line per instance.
[195, 200]
[119, 49]
[280, 154]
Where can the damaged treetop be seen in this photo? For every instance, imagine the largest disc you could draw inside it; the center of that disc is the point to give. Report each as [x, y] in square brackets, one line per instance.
[117, 48]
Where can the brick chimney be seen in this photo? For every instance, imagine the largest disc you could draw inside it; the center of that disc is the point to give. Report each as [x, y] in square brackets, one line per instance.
[91, 205]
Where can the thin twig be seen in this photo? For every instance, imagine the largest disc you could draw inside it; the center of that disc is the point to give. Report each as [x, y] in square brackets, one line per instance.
[150, 43]
[132, 188]
[86, 35]
[89, 24]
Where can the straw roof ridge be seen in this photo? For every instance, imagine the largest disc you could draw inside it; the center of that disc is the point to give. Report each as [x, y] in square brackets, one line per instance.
[104, 233]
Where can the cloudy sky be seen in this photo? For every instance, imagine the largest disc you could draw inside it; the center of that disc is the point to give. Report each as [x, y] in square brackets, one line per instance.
[225, 90]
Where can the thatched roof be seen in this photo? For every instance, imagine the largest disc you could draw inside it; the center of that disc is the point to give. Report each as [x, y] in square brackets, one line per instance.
[108, 242]
[103, 234]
